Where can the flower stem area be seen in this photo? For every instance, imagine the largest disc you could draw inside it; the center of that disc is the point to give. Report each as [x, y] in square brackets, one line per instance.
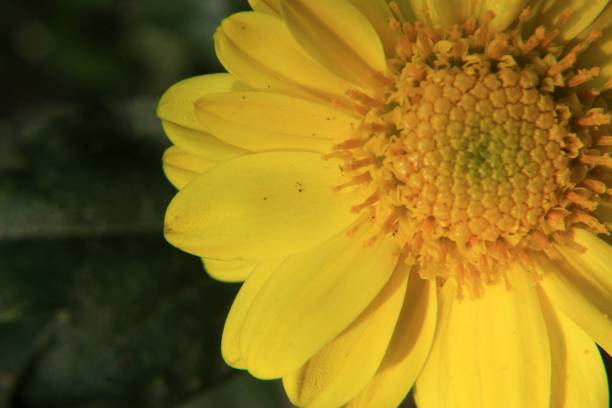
[96, 309]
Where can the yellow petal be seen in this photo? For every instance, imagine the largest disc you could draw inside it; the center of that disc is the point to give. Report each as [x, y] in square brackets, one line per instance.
[443, 12]
[259, 206]
[580, 297]
[338, 36]
[232, 331]
[448, 12]
[584, 12]
[266, 6]
[406, 11]
[578, 373]
[595, 264]
[229, 271]
[258, 49]
[491, 351]
[407, 351]
[177, 103]
[433, 386]
[201, 144]
[180, 167]
[599, 54]
[345, 365]
[311, 299]
[505, 12]
[377, 11]
[263, 121]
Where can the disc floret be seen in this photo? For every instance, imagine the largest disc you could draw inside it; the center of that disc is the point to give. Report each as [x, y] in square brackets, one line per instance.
[482, 148]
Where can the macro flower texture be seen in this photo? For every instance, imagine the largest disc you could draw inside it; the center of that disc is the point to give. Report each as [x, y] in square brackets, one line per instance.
[416, 194]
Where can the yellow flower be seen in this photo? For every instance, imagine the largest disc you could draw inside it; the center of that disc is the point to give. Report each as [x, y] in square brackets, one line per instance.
[414, 192]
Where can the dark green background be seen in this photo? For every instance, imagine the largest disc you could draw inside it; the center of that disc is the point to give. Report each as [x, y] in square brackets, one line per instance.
[96, 309]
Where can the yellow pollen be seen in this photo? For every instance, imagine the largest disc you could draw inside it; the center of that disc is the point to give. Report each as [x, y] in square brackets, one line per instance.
[479, 150]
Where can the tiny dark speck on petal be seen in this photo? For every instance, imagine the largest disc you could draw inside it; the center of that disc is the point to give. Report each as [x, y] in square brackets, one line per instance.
[243, 97]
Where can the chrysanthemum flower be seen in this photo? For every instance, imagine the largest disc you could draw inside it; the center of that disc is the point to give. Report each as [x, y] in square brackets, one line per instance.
[414, 192]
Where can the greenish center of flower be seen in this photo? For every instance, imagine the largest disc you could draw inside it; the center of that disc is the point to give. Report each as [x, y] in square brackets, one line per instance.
[480, 150]
[473, 153]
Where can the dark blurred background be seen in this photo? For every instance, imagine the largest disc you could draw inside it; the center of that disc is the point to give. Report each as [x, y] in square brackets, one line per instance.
[96, 309]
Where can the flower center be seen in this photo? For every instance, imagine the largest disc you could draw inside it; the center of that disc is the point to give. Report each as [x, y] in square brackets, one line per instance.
[473, 154]
[482, 148]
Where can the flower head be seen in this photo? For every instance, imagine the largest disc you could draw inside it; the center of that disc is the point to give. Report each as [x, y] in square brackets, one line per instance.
[414, 192]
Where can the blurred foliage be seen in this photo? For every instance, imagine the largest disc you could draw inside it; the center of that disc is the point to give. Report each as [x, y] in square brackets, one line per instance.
[96, 309]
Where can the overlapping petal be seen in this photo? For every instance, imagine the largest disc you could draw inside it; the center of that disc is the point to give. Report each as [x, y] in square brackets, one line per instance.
[578, 374]
[260, 121]
[593, 263]
[177, 103]
[290, 319]
[232, 332]
[379, 14]
[180, 166]
[583, 13]
[351, 46]
[407, 351]
[345, 365]
[201, 144]
[489, 351]
[449, 12]
[258, 49]
[259, 206]
[599, 54]
[582, 292]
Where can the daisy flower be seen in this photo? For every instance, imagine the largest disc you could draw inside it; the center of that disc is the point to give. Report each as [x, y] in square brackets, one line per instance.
[415, 193]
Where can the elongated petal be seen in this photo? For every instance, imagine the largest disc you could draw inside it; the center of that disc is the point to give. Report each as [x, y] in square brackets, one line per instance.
[230, 341]
[408, 350]
[181, 166]
[258, 49]
[578, 375]
[580, 299]
[345, 365]
[266, 6]
[599, 54]
[177, 103]
[443, 12]
[263, 121]
[259, 206]
[448, 12]
[405, 8]
[337, 35]
[595, 264]
[201, 144]
[229, 271]
[433, 386]
[311, 299]
[377, 11]
[195, 152]
[492, 351]
[505, 12]
[583, 13]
